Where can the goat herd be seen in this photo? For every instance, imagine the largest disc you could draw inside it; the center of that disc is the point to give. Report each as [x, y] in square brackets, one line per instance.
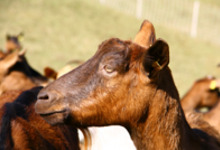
[126, 83]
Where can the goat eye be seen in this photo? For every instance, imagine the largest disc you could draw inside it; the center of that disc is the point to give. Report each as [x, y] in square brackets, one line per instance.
[108, 69]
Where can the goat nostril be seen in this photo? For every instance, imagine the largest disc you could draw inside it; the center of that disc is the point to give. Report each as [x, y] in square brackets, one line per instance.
[43, 96]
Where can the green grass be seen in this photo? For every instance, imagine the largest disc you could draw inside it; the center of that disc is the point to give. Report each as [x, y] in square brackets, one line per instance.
[176, 15]
[59, 31]
[211, 2]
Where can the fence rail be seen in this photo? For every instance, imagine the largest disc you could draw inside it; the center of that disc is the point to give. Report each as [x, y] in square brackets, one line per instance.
[198, 19]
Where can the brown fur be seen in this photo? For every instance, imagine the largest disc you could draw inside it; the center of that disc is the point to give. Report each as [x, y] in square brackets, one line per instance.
[50, 73]
[12, 43]
[2, 54]
[212, 117]
[27, 130]
[200, 95]
[9, 96]
[126, 84]
[17, 74]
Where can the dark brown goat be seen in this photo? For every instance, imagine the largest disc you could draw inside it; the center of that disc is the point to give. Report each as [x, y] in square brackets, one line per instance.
[21, 128]
[204, 93]
[130, 84]
[17, 74]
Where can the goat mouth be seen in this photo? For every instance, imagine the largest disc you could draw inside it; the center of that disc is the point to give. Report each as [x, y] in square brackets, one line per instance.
[55, 117]
[53, 113]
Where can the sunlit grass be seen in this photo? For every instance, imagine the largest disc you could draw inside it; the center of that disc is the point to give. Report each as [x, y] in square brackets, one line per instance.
[59, 31]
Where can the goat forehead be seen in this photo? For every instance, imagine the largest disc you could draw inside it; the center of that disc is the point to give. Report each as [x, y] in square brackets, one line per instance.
[110, 50]
[111, 45]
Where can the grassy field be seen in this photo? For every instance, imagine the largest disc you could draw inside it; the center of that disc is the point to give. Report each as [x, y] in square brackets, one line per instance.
[59, 31]
[176, 15]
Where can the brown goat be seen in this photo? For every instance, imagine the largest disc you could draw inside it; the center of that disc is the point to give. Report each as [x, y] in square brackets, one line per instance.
[202, 94]
[12, 43]
[21, 128]
[213, 117]
[17, 74]
[130, 84]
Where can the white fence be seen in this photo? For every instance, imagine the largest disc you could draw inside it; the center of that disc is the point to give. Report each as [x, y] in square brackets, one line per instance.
[195, 18]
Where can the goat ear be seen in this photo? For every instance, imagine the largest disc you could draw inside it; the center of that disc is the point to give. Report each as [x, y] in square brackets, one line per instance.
[156, 57]
[20, 36]
[8, 37]
[50, 73]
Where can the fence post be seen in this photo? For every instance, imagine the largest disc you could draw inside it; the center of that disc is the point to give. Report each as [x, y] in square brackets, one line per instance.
[195, 17]
[139, 9]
